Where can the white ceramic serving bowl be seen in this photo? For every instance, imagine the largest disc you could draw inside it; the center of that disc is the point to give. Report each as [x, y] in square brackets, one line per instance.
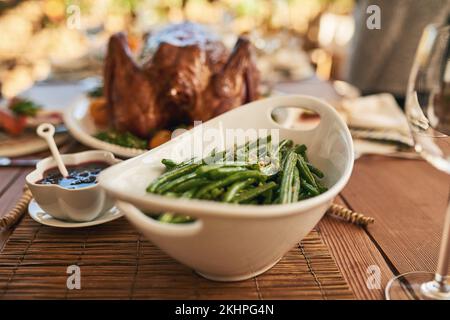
[79, 205]
[230, 242]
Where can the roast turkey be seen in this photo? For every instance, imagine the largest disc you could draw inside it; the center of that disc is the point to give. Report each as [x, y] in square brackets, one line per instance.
[184, 74]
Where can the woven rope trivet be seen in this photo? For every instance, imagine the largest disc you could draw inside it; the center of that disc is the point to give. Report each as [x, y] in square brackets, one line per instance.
[350, 216]
[19, 209]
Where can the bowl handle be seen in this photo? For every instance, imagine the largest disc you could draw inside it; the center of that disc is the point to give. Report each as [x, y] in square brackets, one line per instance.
[326, 112]
[137, 217]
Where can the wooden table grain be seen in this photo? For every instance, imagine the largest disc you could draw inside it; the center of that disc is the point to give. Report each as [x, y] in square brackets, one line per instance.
[406, 197]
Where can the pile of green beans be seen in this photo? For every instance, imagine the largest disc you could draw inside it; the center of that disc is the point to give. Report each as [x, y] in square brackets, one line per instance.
[279, 174]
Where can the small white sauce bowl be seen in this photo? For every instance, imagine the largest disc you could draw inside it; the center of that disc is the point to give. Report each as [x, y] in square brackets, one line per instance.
[78, 205]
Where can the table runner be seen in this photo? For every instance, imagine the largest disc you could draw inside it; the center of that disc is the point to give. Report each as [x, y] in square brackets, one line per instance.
[116, 262]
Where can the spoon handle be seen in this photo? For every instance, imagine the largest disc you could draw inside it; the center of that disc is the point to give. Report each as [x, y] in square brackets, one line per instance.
[46, 131]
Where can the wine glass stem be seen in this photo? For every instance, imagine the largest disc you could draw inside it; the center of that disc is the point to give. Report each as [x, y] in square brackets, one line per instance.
[442, 266]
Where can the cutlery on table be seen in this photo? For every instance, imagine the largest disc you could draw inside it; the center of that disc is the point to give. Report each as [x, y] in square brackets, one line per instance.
[30, 162]
[11, 162]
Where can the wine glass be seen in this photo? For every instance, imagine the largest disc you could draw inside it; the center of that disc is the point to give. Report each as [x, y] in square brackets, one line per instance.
[428, 114]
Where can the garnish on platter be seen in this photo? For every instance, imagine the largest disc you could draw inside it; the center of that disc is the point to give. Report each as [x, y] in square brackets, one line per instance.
[125, 139]
[21, 114]
[18, 120]
[98, 111]
[183, 74]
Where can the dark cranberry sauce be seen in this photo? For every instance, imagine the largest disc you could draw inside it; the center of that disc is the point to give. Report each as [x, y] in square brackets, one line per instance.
[80, 176]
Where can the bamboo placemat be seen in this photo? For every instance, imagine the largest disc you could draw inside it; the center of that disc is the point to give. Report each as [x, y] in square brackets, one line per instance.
[117, 263]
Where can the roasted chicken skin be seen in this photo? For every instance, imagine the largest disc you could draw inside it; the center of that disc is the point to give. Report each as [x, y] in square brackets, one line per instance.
[185, 74]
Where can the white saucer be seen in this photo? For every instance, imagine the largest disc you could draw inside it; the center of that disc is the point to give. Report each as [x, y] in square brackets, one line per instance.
[39, 215]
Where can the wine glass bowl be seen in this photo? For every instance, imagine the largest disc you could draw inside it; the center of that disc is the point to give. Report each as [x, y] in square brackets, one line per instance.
[428, 97]
[428, 114]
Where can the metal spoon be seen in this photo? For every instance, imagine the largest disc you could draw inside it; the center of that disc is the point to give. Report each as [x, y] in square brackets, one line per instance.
[8, 162]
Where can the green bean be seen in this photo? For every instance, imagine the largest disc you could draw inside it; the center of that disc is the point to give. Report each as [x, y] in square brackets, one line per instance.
[269, 149]
[189, 184]
[169, 185]
[186, 162]
[224, 172]
[217, 157]
[229, 180]
[295, 185]
[305, 172]
[219, 164]
[166, 217]
[320, 187]
[181, 219]
[235, 188]
[212, 152]
[217, 192]
[230, 154]
[283, 143]
[243, 152]
[241, 155]
[171, 175]
[300, 149]
[287, 177]
[263, 151]
[268, 196]
[169, 217]
[226, 153]
[303, 196]
[189, 193]
[305, 157]
[309, 188]
[284, 159]
[208, 167]
[262, 146]
[281, 160]
[284, 151]
[250, 194]
[260, 141]
[170, 164]
[277, 199]
[319, 174]
[171, 194]
[270, 169]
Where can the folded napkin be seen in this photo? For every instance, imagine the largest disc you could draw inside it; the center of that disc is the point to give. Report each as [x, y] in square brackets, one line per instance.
[375, 112]
[378, 126]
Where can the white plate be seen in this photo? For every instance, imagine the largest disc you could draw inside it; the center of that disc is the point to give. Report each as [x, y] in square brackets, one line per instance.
[25, 144]
[82, 127]
[39, 215]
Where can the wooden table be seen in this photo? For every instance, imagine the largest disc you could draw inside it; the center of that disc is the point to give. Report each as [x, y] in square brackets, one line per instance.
[406, 197]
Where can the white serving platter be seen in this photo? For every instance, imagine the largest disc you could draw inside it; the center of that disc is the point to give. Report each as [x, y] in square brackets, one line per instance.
[82, 127]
